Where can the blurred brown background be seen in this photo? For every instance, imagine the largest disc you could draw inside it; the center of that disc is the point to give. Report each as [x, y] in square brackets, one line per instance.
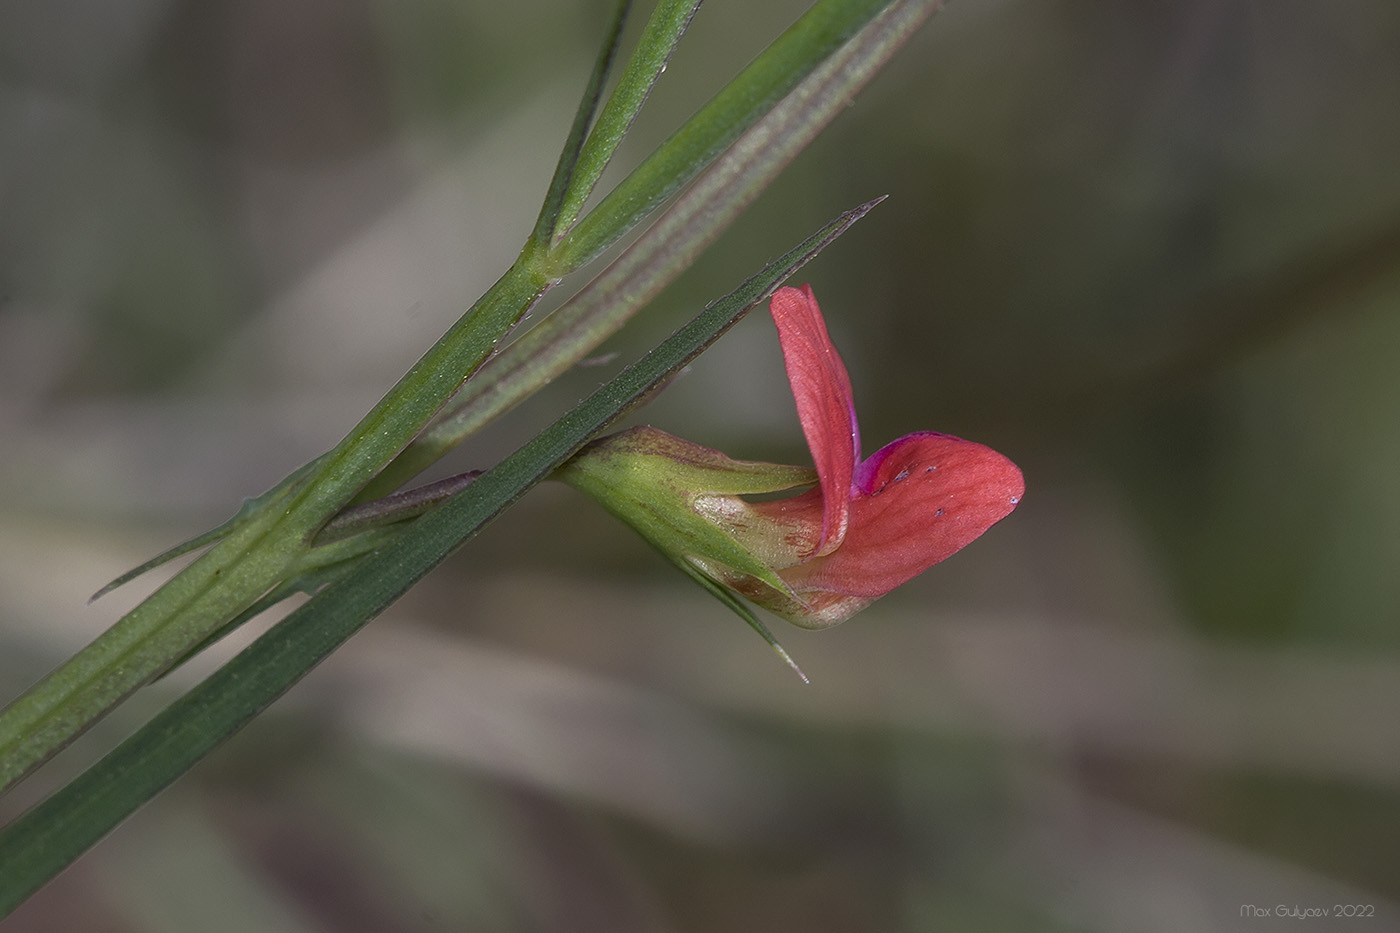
[1150, 251]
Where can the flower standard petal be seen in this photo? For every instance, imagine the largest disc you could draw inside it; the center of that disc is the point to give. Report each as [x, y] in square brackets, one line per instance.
[825, 406]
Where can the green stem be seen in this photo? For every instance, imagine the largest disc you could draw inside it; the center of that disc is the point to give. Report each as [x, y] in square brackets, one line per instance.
[562, 184]
[663, 31]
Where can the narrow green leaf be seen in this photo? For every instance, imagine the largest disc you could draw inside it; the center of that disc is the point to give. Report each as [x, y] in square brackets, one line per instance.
[179, 550]
[249, 507]
[563, 181]
[664, 29]
[665, 249]
[47, 838]
[790, 58]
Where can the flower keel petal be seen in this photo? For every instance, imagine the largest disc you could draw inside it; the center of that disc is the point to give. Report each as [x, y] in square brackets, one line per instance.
[922, 498]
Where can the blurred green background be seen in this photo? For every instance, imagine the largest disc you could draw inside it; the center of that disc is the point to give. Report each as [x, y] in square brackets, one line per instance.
[1150, 251]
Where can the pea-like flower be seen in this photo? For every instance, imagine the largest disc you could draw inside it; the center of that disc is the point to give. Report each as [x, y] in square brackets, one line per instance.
[819, 557]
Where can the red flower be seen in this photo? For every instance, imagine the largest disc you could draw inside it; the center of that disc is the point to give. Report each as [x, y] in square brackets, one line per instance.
[872, 524]
[817, 558]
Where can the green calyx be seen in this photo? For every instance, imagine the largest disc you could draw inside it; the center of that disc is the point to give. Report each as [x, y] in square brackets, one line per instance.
[667, 488]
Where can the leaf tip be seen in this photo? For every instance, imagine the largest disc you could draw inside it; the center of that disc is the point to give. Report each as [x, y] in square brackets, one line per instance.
[783, 653]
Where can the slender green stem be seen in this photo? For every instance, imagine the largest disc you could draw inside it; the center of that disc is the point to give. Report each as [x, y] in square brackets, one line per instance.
[562, 184]
[663, 31]
[793, 55]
